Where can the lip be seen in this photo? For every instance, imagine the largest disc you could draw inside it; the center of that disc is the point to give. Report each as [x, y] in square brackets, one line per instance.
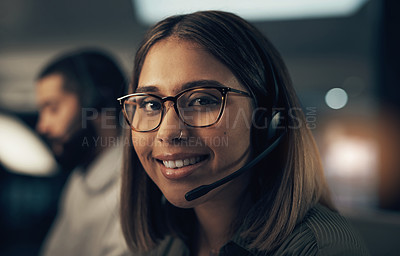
[178, 173]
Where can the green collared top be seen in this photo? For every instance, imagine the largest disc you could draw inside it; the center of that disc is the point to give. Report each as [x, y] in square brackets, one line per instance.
[322, 232]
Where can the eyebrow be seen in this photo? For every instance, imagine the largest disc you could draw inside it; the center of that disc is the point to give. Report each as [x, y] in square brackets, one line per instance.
[191, 84]
[150, 88]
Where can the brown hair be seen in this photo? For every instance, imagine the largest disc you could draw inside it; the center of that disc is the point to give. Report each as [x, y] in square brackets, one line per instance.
[284, 193]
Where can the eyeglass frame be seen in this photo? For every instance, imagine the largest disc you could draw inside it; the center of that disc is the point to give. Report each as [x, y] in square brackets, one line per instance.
[222, 89]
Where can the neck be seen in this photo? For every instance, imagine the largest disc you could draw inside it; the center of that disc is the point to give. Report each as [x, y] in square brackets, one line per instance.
[216, 219]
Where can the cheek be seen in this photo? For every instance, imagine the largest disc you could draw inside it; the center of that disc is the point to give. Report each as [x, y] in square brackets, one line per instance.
[143, 146]
[67, 117]
[66, 120]
[231, 146]
[137, 143]
[239, 123]
[231, 139]
[142, 143]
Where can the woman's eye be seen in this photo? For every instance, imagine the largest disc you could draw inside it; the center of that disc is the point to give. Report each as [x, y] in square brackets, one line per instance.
[203, 101]
[150, 106]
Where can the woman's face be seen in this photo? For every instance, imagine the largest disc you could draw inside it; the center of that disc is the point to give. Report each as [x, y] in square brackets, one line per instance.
[208, 154]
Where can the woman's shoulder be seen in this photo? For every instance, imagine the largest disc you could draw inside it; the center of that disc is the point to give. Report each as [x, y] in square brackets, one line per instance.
[323, 232]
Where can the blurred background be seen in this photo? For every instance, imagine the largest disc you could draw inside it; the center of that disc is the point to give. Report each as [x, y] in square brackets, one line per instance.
[343, 56]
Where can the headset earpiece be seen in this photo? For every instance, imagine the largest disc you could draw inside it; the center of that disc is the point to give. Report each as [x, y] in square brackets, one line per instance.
[273, 125]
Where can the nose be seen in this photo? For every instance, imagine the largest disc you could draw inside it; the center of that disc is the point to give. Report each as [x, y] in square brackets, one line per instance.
[171, 125]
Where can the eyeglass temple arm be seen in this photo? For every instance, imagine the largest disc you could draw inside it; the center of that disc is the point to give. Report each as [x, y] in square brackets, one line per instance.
[238, 91]
[120, 99]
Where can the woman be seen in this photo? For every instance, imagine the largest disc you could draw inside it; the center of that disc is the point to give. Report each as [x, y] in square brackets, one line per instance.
[209, 95]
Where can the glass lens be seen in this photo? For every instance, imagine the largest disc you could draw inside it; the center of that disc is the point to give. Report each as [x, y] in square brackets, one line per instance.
[200, 107]
[143, 112]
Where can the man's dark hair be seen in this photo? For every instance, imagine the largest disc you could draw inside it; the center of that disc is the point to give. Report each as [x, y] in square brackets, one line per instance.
[92, 74]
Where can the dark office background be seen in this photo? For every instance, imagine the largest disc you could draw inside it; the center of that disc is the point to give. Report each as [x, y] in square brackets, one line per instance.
[359, 53]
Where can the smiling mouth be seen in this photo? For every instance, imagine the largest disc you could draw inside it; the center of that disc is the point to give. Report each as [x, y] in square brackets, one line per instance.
[175, 164]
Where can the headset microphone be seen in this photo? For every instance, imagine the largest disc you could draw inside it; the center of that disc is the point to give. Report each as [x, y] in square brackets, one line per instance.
[204, 189]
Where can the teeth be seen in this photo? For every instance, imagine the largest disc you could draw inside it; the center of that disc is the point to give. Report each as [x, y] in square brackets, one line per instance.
[186, 162]
[179, 163]
[171, 164]
[182, 162]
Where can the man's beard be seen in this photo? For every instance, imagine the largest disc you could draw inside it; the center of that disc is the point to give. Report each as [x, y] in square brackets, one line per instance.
[80, 148]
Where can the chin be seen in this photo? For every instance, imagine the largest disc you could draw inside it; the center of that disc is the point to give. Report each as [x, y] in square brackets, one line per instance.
[178, 200]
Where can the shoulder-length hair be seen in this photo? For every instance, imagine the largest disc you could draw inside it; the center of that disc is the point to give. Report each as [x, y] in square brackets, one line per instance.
[284, 187]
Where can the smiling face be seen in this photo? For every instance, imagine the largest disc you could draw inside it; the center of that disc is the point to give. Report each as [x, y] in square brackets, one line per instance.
[179, 158]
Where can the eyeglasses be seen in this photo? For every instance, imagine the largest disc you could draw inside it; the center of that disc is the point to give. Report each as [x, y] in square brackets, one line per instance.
[196, 107]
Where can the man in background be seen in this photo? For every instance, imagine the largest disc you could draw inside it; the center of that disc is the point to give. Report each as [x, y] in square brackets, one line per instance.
[78, 117]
